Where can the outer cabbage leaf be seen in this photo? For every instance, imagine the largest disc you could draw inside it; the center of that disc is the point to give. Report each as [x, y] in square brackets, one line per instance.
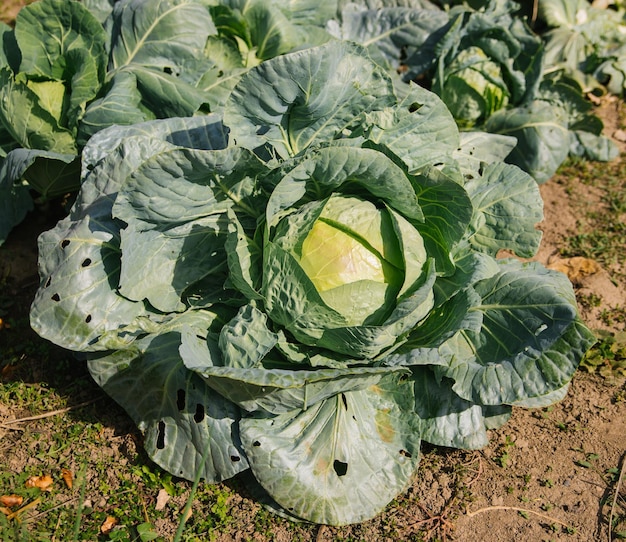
[79, 258]
[306, 96]
[160, 34]
[120, 105]
[179, 216]
[477, 148]
[421, 120]
[542, 133]
[507, 206]
[340, 460]
[187, 427]
[530, 340]
[390, 34]
[448, 420]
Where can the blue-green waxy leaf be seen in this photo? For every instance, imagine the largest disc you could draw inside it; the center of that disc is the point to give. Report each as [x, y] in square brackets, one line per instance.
[245, 340]
[162, 44]
[159, 266]
[159, 34]
[80, 258]
[340, 460]
[177, 220]
[542, 136]
[478, 148]
[244, 256]
[266, 384]
[507, 207]
[167, 96]
[390, 34]
[202, 132]
[120, 105]
[419, 130]
[446, 419]
[306, 97]
[530, 342]
[100, 9]
[78, 301]
[447, 210]
[190, 184]
[47, 32]
[181, 417]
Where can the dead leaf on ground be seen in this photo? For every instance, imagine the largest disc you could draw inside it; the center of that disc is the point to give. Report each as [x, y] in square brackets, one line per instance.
[576, 268]
[108, 525]
[66, 474]
[161, 500]
[11, 501]
[620, 135]
[42, 482]
[4, 510]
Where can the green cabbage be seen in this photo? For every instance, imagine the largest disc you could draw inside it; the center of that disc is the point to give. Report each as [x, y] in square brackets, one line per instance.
[306, 287]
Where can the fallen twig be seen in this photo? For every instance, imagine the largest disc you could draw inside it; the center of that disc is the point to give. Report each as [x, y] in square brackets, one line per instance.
[615, 497]
[16, 515]
[6, 424]
[517, 509]
[60, 505]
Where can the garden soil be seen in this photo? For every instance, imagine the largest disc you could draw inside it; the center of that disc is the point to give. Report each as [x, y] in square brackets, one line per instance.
[548, 475]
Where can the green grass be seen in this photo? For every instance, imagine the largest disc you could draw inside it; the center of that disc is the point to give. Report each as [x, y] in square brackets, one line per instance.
[603, 235]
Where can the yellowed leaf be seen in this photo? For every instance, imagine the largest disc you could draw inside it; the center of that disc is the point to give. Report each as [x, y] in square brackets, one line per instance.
[42, 482]
[108, 524]
[11, 500]
[576, 268]
[66, 474]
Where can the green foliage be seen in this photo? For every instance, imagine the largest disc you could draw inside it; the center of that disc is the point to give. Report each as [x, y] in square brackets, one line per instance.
[206, 272]
[70, 69]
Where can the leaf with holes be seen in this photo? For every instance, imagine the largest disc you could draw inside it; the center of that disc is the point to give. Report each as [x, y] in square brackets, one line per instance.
[340, 460]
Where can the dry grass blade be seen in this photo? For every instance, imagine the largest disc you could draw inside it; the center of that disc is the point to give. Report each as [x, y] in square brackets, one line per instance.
[615, 497]
[516, 509]
[8, 423]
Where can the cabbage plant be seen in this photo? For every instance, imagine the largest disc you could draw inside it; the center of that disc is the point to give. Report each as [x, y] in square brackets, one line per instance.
[69, 69]
[307, 286]
[495, 74]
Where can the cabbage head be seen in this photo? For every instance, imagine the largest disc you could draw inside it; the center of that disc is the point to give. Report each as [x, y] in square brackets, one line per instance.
[306, 287]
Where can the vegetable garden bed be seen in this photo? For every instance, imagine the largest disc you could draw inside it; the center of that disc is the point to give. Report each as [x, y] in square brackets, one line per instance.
[284, 294]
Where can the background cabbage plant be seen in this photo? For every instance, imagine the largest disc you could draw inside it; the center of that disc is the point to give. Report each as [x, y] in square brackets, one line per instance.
[305, 287]
[69, 69]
